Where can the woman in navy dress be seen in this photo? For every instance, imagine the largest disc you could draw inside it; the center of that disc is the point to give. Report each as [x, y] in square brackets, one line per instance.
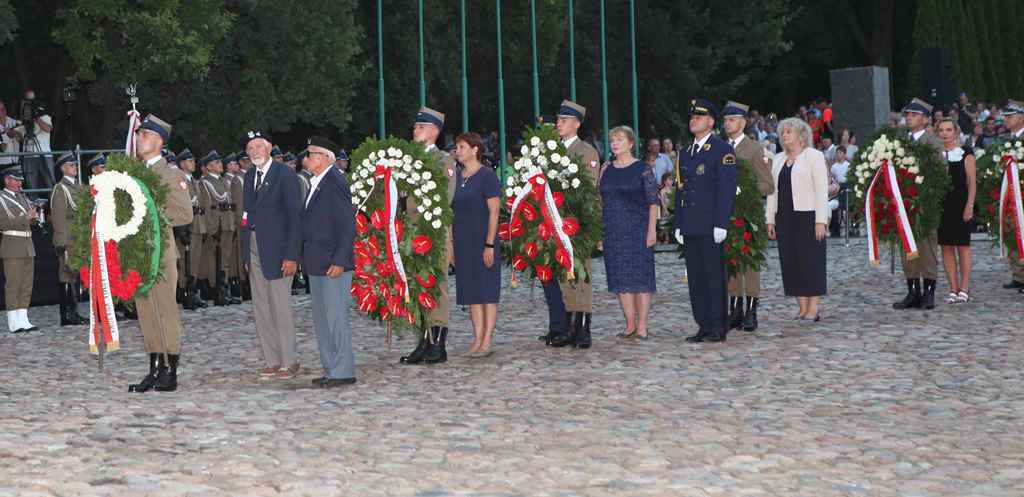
[629, 199]
[474, 230]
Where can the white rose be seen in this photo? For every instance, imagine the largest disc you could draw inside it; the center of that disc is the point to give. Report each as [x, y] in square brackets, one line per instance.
[373, 156]
[860, 194]
[407, 159]
[418, 164]
[575, 182]
[392, 152]
[366, 163]
[552, 145]
[400, 174]
[431, 186]
[509, 192]
[421, 209]
[919, 180]
[565, 161]
[534, 152]
[510, 181]
[427, 202]
[535, 141]
[542, 161]
[913, 170]
[1017, 144]
[437, 211]
[436, 224]
[428, 216]
[899, 152]
[556, 158]
[407, 167]
[418, 192]
[573, 168]
[427, 175]
[525, 150]
[364, 173]
[437, 198]
[552, 173]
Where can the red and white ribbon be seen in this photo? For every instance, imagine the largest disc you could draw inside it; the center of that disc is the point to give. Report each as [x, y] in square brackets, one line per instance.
[539, 183]
[887, 173]
[383, 172]
[102, 319]
[1009, 192]
[133, 126]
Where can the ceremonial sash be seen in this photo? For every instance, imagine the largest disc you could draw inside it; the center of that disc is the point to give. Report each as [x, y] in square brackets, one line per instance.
[887, 174]
[102, 319]
[1010, 199]
[391, 211]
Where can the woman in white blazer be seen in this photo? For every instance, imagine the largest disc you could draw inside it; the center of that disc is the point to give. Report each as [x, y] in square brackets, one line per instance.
[797, 216]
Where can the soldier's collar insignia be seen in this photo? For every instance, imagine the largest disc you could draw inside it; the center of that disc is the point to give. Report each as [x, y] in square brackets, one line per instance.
[707, 146]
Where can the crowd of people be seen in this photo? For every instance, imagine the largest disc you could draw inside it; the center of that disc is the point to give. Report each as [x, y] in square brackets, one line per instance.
[260, 225]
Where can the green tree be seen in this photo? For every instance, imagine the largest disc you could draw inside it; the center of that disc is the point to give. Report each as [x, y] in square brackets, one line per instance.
[8, 22]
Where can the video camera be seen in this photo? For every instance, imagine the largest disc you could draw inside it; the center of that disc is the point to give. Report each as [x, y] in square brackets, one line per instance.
[28, 113]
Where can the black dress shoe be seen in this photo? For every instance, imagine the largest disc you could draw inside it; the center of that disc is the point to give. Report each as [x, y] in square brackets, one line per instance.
[715, 337]
[698, 338]
[337, 382]
[319, 381]
[1014, 284]
[147, 383]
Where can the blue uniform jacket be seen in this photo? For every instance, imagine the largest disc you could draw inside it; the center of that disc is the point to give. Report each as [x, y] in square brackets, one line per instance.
[275, 216]
[704, 199]
[328, 225]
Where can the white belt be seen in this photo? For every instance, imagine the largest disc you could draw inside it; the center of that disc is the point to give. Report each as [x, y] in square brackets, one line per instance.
[23, 234]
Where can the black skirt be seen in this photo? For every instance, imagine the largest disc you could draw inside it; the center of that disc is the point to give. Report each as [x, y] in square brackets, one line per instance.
[802, 257]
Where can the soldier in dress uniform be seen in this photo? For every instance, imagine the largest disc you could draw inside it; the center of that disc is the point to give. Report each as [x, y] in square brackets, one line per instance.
[431, 348]
[304, 178]
[97, 164]
[278, 155]
[925, 266]
[190, 238]
[244, 163]
[745, 289]
[235, 179]
[159, 316]
[62, 209]
[571, 303]
[705, 193]
[1013, 115]
[290, 159]
[341, 161]
[220, 227]
[17, 250]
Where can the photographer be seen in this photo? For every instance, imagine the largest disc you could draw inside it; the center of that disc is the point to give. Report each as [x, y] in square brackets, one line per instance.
[34, 132]
[10, 139]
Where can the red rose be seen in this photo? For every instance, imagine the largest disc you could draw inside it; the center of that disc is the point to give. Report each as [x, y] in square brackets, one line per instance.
[562, 258]
[377, 219]
[747, 236]
[531, 250]
[361, 223]
[519, 263]
[571, 226]
[544, 231]
[543, 272]
[738, 222]
[528, 211]
[559, 199]
[427, 283]
[426, 301]
[745, 249]
[421, 244]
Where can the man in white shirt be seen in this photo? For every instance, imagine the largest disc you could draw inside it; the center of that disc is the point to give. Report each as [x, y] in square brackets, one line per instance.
[9, 137]
[839, 170]
[34, 133]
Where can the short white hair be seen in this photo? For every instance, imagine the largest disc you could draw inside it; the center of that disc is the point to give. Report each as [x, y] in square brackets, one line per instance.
[802, 129]
[323, 150]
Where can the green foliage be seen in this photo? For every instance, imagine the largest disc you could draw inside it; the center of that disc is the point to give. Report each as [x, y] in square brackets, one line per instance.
[424, 170]
[747, 241]
[8, 22]
[136, 250]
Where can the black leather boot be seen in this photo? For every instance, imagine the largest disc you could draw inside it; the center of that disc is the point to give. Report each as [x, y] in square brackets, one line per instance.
[928, 298]
[698, 338]
[567, 337]
[552, 333]
[417, 355]
[913, 298]
[750, 318]
[582, 330]
[73, 318]
[149, 381]
[197, 298]
[225, 290]
[436, 352]
[167, 376]
[246, 289]
[179, 295]
[236, 288]
[735, 313]
[188, 298]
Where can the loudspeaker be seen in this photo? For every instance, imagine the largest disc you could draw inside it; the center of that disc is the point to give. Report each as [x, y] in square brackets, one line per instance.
[860, 99]
[937, 77]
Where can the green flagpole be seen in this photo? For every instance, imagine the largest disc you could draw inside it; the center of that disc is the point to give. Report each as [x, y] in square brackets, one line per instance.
[423, 81]
[533, 45]
[380, 68]
[572, 53]
[632, 51]
[501, 99]
[604, 83]
[465, 75]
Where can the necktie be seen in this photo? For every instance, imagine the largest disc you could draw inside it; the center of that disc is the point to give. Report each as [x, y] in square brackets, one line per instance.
[259, 180]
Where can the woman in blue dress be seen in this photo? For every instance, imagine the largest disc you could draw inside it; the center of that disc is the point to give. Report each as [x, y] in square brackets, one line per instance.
[474, 232]
[629, 196]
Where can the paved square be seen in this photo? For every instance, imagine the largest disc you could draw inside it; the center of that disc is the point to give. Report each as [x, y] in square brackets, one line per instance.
[869, 402]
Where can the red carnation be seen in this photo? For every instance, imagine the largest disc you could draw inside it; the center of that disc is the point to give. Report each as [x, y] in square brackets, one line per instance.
[745, 249]
[747, 236]
[421, 244]
[571, 226]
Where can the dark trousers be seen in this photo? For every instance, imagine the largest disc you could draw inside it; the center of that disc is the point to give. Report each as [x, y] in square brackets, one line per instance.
[707, 276]
[556, 307]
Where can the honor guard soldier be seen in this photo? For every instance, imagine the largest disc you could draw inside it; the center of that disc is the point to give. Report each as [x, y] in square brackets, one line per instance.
[290, 159]
[277, 154]
[62, 209]
[97, 164]
[1013, 115]
[571, 304]
[236, 181]
[304, 178]
[922, 271]
[191, 249]
[431, 347]
[341, 161]
[17, 250]
[220, 227]
[745, 289]
[159, 316]
[705, 193]
[244, 163]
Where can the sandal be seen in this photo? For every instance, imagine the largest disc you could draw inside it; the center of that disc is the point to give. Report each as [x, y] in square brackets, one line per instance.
[952, 299]
[963, 297]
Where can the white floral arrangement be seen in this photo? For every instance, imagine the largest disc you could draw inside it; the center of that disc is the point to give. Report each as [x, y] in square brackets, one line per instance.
[884, 149]
[543, 156]
[406, 168]
[106, 208]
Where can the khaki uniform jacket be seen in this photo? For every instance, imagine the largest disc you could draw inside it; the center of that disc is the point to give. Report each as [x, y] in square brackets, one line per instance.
[63, 208]
[14, 210]
[589, 158]
[753, 152]
[195, 193]
[178, 205]
[219, 189]
[578, 295]
[237, 185]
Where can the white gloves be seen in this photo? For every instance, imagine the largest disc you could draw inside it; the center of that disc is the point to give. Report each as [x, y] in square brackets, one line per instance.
[719, 235]
[679, 236]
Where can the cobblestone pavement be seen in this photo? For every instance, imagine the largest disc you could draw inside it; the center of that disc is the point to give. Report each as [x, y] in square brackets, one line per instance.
[869, 402]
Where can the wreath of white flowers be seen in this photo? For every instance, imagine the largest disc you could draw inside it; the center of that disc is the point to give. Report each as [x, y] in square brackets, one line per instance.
[406, 169]
[885, 149]
[106, 207]
[542, 157]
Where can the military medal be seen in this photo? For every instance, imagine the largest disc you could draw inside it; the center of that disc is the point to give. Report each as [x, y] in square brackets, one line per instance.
[700, 170]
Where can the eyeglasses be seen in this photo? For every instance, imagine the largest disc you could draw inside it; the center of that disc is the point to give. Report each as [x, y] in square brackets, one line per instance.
[317, 153]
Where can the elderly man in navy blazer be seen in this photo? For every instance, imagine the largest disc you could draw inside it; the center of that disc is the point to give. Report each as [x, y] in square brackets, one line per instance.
[328, 230]
[271, 239]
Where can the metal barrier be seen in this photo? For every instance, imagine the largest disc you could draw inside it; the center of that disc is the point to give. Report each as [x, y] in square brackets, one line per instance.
[78, 152]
